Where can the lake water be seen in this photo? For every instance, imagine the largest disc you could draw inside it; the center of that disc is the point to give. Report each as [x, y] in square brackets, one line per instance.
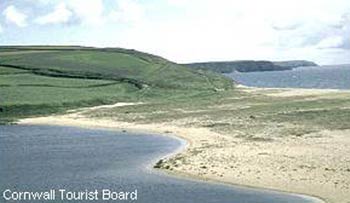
[39, 158]
[323, 77]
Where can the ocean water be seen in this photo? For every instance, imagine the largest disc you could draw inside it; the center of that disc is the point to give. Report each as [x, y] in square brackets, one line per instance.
[323, 77]
[40, 158]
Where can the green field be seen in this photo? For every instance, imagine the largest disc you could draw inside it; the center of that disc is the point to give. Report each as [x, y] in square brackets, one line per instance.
[6, 71]
[43, 80]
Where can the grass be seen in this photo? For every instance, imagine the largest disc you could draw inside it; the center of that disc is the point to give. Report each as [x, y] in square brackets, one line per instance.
[28, 79]
[9, 71]
[252, 116]
[43, 80]
[134, 67]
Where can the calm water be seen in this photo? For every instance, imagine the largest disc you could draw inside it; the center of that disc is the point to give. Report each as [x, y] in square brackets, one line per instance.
[38, 158]
[324, 77]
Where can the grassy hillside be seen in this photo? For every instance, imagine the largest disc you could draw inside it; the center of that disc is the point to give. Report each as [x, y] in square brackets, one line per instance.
[249, 66]
[41, 80]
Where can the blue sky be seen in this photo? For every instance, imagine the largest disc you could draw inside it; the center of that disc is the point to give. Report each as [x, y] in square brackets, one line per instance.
[187, 30]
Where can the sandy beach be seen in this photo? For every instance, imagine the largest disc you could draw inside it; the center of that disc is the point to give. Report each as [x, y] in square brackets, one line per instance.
[317, 164]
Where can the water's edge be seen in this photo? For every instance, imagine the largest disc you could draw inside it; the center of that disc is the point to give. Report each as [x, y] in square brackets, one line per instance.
[183, 175]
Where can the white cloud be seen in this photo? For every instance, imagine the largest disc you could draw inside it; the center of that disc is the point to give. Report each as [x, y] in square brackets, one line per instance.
[178, 2]
[89, 12]
[203, 30]
[13, 15]
[200, 30]
[331, 42]
[128, 11]
[61, 14]
[1, 30]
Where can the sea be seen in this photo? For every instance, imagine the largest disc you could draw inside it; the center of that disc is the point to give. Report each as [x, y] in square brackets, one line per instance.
[320, 77]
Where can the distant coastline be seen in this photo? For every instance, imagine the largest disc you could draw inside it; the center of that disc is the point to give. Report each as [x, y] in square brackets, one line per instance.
[319, 77]
[250, 65]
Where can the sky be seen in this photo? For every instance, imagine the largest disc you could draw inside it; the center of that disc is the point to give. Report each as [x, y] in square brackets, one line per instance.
[187, 30]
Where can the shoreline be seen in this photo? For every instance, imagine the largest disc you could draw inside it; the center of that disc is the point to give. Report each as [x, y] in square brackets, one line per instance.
[290, 92]
[159, 130]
